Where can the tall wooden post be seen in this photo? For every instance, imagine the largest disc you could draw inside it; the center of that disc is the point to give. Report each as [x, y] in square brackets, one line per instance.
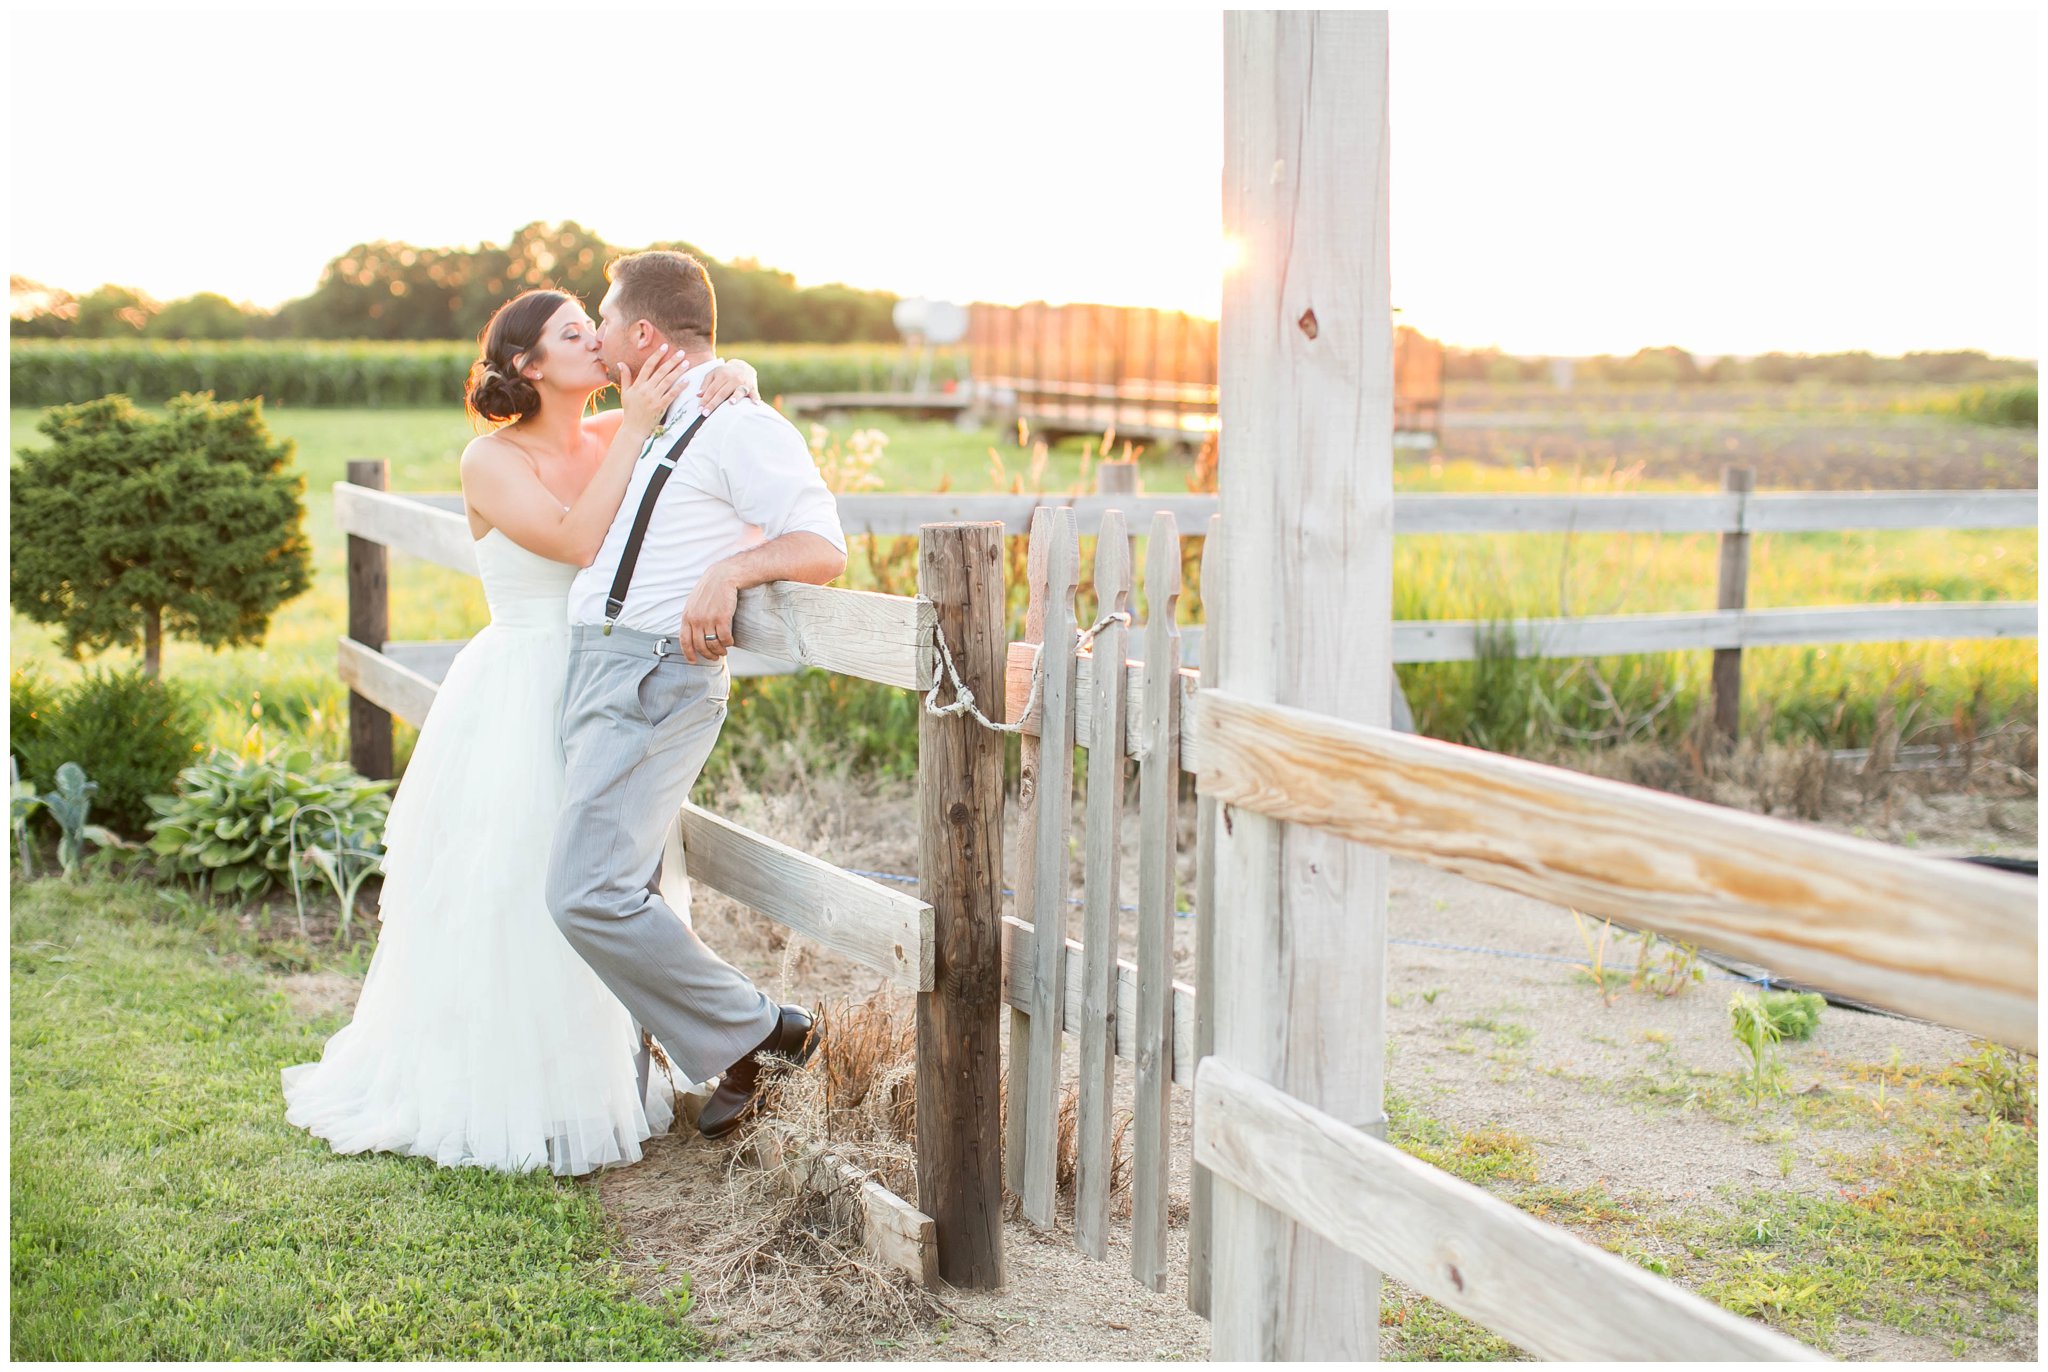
[1734, 595]
[1306, 476]
[960, 872]
[369, 623]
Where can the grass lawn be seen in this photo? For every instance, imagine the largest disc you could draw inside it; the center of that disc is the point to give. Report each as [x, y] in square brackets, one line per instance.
[163, 1209]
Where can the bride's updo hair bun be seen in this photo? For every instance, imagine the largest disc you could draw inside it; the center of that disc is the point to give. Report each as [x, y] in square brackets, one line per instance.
[497, 393]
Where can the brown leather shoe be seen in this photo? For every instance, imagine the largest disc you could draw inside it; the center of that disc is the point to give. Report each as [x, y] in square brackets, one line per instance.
[739, 1086]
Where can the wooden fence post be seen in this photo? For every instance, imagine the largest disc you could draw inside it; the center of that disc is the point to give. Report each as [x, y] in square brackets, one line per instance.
[1734, 595]
[369, 623]
[1201, 1197]
[1017, 1086]
[1116, 478]
[1106, 704]
[1306, 475]
[960, 873]
[1158, 835]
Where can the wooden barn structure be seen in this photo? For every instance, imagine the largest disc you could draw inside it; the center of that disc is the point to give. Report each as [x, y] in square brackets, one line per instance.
[1144, 374]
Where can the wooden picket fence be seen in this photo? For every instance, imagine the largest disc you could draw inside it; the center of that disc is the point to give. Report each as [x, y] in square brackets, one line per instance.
[1937, 940]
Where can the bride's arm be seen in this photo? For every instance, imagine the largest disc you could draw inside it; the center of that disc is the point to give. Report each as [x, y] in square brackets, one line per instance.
[735, 380]
[504, 491]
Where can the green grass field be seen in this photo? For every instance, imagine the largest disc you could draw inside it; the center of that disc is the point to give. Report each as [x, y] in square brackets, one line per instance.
[163, 1209]
[1829, 692]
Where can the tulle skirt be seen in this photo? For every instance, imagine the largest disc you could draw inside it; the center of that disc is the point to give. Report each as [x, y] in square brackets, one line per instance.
[481, 1039]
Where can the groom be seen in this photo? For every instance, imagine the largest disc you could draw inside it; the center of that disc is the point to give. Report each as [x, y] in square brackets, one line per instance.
[717, 503]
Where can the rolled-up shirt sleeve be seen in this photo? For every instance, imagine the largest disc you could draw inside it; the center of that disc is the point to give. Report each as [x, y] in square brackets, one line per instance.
[772, 480]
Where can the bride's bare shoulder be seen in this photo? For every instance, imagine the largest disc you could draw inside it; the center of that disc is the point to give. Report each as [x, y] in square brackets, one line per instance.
[489, 452]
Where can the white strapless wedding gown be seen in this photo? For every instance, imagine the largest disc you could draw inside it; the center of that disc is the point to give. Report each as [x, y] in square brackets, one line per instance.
[481, 1039]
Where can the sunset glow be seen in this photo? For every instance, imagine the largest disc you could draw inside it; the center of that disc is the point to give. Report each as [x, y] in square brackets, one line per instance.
[1560, 183]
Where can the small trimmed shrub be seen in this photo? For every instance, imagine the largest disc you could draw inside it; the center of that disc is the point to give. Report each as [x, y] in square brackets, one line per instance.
[130, 732]
[237, 822]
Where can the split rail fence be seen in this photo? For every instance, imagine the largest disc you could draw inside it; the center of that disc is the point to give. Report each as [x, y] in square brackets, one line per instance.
[1937, 940]
[1736, 514]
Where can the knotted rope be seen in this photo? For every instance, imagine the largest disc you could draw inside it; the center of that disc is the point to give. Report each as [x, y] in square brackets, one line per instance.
[963, 698]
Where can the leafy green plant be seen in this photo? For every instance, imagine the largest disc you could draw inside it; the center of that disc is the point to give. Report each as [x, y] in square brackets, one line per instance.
[1757, 1034]
[234, 824]
[1794, 1014]
[70, 805]
[2004, 1085]
[129, 731]
[22, 803]
[1665, 968]
[31, 701]
[343, 866]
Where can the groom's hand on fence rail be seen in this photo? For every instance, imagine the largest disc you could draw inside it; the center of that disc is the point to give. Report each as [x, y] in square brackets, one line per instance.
[707, 615]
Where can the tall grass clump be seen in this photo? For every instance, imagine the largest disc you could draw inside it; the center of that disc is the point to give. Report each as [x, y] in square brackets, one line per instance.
[2010, 405]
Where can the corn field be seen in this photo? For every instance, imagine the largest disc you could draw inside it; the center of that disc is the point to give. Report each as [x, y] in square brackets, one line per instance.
[371, 375]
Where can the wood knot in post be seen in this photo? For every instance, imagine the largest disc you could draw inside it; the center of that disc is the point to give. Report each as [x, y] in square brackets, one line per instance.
[1457, 1277]
[1307, 323]
[958, 813]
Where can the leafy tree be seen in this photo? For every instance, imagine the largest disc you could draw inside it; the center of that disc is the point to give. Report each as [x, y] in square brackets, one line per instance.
[129, 526]
[113, 312]
[205, 315]
[39, 311]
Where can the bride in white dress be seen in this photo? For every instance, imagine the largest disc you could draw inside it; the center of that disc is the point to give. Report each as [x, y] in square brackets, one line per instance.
[481, 1039]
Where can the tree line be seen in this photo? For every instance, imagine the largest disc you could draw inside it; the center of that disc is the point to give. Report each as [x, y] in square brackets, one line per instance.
[399, 291]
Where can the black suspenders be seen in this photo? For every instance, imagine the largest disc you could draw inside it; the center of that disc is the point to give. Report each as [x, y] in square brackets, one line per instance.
[665, 464]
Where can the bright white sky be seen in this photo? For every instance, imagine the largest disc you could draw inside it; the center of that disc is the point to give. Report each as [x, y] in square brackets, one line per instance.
[1561, 183]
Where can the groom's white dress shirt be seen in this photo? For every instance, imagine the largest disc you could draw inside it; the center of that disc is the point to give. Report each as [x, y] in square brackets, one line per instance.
[745, 478]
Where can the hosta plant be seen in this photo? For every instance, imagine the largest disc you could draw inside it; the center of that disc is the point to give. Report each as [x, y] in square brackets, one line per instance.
[241, 824]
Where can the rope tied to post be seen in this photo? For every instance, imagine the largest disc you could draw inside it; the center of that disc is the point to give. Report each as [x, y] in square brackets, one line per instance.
[963, 701]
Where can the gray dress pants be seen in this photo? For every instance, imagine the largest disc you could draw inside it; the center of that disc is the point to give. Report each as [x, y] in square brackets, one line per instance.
[637, 726]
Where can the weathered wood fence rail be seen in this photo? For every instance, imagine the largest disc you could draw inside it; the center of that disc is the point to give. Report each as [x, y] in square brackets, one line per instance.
[431, 526]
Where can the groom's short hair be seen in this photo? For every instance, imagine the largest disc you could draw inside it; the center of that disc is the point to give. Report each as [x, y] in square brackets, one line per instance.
[671, 291]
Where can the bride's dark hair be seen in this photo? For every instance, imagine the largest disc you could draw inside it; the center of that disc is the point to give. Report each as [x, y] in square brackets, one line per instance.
[497, 393]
